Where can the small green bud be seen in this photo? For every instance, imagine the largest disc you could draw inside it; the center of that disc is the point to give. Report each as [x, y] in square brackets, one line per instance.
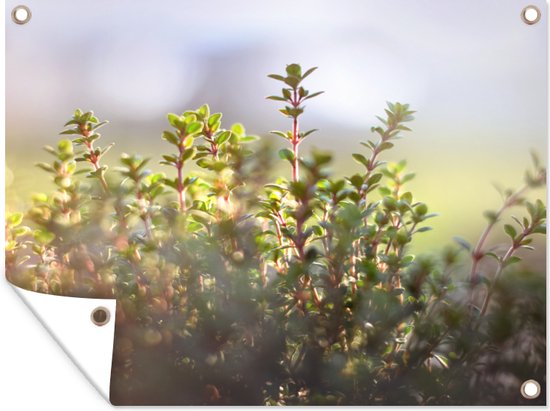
[421, 209]
[389, 203]
[381, 218]
[402, 237]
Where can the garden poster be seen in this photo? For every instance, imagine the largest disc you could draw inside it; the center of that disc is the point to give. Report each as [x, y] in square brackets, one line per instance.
[282, 202]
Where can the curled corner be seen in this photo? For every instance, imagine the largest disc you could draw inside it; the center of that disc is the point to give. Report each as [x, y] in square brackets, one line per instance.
[68, 319]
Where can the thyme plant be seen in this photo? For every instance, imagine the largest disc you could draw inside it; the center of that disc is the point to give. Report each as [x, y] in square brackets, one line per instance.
[235, 288]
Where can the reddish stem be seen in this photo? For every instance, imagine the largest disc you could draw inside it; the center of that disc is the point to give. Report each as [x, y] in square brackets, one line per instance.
[295, 141]
[500, 268]
[145, 218]
[181, 189]
[477, 253]
[94, 160]
[179, 166]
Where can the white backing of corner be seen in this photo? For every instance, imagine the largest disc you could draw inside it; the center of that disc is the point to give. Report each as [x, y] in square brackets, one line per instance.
[68, 320]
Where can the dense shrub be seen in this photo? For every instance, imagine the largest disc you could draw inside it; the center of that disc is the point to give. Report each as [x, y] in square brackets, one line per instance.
[236, 288]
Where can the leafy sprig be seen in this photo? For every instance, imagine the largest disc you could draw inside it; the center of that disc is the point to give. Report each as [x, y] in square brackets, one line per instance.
[86, 126]
[294, 96]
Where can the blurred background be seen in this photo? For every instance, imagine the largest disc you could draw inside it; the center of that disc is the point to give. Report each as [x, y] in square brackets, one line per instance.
[473, 70]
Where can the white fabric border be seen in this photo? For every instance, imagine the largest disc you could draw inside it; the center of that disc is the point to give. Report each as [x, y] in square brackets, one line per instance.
[68, 320]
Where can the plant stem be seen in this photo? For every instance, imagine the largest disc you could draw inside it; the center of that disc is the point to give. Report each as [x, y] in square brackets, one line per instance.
[371, 166]
[94, 160]
[213, 146]
[299, 240]
[295, 163]
[103, 183]
[500, 268]
[295, 140]
[179, 166]
[477, 253]
[516, 244]
[181, 189]
[145, 217]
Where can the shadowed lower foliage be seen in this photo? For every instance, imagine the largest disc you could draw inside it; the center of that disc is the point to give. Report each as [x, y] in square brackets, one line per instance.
[234, 287]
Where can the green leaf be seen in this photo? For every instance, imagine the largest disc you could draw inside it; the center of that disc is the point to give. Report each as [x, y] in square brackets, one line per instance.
[510, 230]
[188, 154]
[375, 178]
[238, 129]
[313, 95]
[171, 183]
[407, 260]
[318, 230]
[43, 237]
[292, 112]
[65, 146]
[99, 125]
[214, 118]
[71, 122]
[407, 177]
[20, 231]
[298, 189]
[194, 226]
[442, 360]
[286, 154]
[292, 81]
[106, 149]
[276, 77]
[421, 209]
[189, 180]
[512, 260]
[385, 146]
[86, 116]
[93, 137]
[540, 229]
[286, 94]
[294, 70]
[307, 133]
[463, 243]
[170, 159]
[308, 72]
[170, 137]
[194, 127]
[321, 158]
[204, 163]
[188, 142]
[40, 198]
[198, 156]
[156, 191]
[361, 159]
[174, 120]
[276, 98]
[280, 134]
[14, 219]
[10, 245]
[45, 167]
[248, 139]
[219, 166]
[223, 137]
[204, 111]
[69, 132]
[490, 215]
